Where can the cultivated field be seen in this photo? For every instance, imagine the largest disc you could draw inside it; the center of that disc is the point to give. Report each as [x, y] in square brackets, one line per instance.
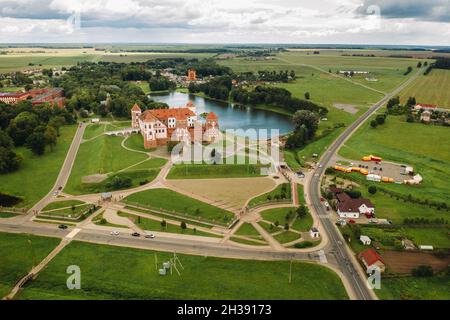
[135, 277]
[404, 262]
[433, 88]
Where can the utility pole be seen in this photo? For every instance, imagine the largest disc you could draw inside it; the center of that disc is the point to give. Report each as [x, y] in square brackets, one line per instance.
[32, 253]
[290, 272]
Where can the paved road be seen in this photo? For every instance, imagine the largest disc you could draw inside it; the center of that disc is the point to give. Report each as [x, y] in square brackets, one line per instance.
[64, 173]
[344, 257]
[161, 243]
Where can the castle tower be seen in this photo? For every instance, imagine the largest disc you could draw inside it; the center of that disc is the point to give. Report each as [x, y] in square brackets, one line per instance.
[192, 75]
[135, 113]
[191, 106]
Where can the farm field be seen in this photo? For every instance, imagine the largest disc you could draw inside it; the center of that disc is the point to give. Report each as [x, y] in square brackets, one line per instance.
[430, 89]
[201, 278]
[18, 59]
[18, 256]
[412, 288]
[172, 201]
[37, 174]
[107, 157]
[424, 147]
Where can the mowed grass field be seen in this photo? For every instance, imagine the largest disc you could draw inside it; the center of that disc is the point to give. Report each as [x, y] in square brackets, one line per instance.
[173, 201]
[103, 155]
[412, 288]
[37, 174]
[433, 88]
[19, 252]
[110, 272]
[426, 148]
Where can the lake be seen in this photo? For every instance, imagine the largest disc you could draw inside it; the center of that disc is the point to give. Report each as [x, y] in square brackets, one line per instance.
[230, 115]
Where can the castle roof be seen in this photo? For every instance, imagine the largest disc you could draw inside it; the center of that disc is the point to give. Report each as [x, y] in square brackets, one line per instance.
[164, 114]
[211, 116]
[135, 107]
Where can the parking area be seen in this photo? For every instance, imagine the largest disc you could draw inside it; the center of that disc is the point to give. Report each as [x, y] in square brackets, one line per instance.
[383, 168]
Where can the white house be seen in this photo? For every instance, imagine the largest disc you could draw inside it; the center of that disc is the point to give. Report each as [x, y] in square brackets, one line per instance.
[353, 208]
[365, 240]
[314, 233]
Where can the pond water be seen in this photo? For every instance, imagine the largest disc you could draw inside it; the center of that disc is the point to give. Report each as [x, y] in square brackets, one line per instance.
[231, 116]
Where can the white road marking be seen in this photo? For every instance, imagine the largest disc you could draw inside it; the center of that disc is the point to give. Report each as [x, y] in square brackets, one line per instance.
[322, 256]
[73, 233]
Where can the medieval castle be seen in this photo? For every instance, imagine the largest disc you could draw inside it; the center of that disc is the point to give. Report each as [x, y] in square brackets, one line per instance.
[158, 126]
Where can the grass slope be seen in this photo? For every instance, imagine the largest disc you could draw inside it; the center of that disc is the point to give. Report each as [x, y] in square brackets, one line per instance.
[37, 175]
[135, 277]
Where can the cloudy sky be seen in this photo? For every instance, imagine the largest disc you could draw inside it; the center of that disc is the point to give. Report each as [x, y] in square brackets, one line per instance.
[416, 22]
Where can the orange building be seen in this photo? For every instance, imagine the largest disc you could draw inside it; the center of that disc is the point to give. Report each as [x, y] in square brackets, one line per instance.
[192, 75]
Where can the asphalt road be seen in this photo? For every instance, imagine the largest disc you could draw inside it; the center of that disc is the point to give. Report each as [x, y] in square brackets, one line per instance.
[343, 257]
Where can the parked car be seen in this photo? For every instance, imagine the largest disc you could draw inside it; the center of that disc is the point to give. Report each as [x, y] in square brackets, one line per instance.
[135, 234]
[114, 233]
[351, 221]
[62, 227]
[150, 236]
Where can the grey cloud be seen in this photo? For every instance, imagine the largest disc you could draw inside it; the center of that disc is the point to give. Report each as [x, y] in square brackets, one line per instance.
[430, 10]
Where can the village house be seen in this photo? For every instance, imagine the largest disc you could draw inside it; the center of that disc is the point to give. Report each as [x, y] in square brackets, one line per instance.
[314, 233]
[54, 96]
[158, 126]
[348, 207]
[365, 240]
[191, 75]
[425, 116]
[371, 258]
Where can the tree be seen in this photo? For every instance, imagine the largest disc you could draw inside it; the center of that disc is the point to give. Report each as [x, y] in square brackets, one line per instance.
[411, 102]
[163, 223]
[393, 102]
[422, 271]
[302, 211]
[57, 122]
[22, 126]
[286, 226]
[36, 142]
[306, 124]
[183, 225]
[5, 140]
[372, 189]
[307, 96]
[380, 119]
[419, 65]
[50, 136]
[374, 124]
[9, 160]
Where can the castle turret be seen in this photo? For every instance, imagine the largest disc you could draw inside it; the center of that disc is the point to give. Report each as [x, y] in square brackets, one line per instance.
[135, 113]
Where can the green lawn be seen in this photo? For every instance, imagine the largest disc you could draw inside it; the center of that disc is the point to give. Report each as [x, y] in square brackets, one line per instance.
[153, 225]
[281, 192]
[68, 212]
[103, 155]
[172, 201]
[247, 229]
[62, 204]
[301, 194]
[7, 215]
[287, 236]
[278, 214]
[426, 148]
[303, 224]
[248, 242]
[93, 130]
[18, 256]
[37, 174]
[206, 171]
[412, 288]
[430, 89]
[136, 142]
[110, 272]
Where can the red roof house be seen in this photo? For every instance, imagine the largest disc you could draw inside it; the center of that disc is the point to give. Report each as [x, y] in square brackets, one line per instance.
[371, 258]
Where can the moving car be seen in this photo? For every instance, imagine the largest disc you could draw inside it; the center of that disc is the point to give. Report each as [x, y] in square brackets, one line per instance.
[114, 233]
[62, 227]
[135, 234]
[150, 236]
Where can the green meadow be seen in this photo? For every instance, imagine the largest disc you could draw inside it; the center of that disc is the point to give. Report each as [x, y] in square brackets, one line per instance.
[110, 272]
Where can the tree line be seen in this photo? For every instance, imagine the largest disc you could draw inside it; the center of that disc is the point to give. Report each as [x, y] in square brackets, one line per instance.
[34, 127]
